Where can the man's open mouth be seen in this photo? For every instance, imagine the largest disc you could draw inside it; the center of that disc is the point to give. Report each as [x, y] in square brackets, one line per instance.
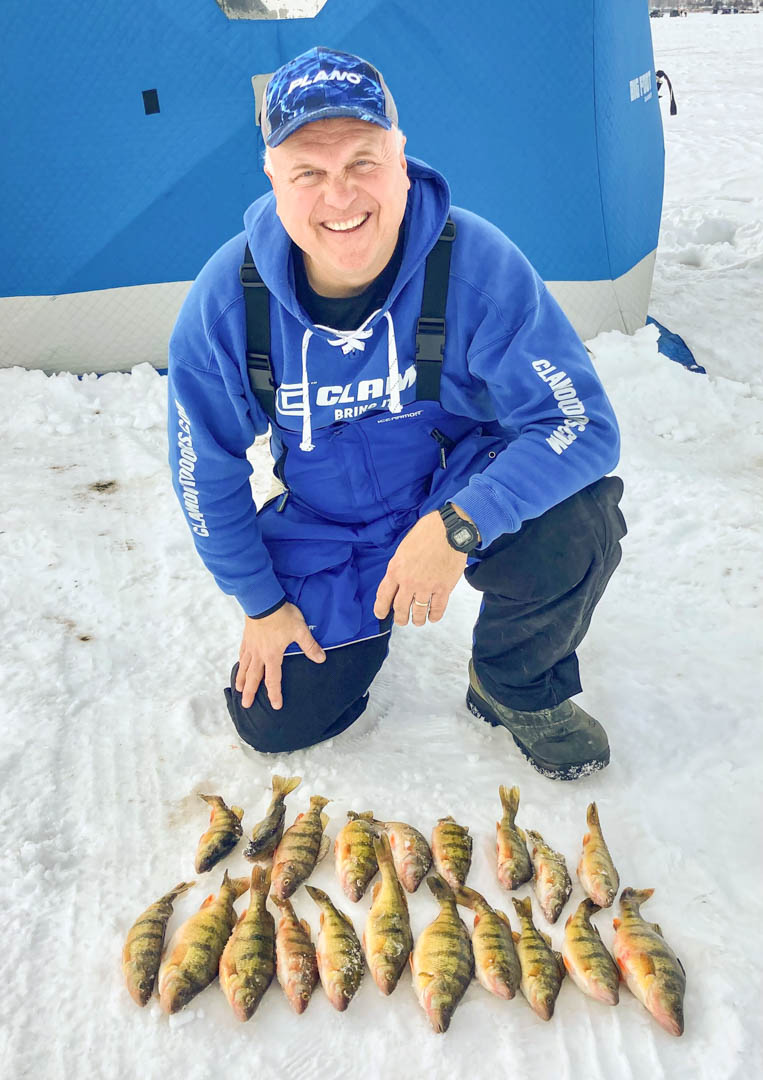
[351, 225]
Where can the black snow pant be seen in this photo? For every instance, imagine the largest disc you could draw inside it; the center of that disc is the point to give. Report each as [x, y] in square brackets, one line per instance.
[539, 585]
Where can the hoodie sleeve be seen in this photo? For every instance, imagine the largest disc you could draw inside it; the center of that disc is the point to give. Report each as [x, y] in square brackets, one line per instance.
[548, 398]
[210, 431]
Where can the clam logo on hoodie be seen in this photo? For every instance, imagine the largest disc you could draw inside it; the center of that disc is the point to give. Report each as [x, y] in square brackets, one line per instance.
[345, 402]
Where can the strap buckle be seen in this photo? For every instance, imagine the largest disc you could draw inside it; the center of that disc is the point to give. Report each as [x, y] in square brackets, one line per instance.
[249, 276]
[430, 340]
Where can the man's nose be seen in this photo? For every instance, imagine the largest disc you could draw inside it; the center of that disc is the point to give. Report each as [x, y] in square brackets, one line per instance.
[339, 193]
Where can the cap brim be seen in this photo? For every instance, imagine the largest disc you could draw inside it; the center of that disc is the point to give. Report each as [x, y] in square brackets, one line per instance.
[285, 130]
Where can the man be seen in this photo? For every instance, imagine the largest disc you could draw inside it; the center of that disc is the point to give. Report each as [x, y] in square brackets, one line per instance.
[395, 477]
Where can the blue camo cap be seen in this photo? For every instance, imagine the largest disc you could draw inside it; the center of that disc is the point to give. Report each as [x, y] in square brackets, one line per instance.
[322, 83]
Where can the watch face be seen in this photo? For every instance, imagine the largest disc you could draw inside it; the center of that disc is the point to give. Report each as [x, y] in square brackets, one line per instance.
[462, 536]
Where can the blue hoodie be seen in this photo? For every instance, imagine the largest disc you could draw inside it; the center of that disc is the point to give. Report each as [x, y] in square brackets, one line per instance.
[522, 422]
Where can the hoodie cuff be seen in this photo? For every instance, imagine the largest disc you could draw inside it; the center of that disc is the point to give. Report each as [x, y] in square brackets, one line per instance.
[489, 517]
[266, 596]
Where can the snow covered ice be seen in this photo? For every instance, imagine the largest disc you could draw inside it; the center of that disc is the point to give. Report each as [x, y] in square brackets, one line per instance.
[116, 644]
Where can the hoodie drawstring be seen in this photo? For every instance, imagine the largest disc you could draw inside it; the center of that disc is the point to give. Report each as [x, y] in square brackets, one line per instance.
[349, 340]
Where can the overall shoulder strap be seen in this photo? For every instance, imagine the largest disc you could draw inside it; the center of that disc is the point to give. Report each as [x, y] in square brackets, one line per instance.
[257, 308]
[430, 328]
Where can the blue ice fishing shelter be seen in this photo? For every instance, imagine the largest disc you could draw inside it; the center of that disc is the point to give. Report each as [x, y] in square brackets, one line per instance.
[132, 149]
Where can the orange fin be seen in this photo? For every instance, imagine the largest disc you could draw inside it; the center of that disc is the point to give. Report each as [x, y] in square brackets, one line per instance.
[616, 924]
[208, 901]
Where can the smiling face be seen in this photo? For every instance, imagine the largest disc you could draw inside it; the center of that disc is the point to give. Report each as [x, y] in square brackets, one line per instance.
[341, 187]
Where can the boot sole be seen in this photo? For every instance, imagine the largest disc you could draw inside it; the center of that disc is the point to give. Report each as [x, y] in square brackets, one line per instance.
[479, 708]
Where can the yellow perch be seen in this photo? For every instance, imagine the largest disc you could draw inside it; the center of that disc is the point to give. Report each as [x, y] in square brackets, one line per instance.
[387, 938]
[193, 955]
[552, 881]
[514, 865]
[650, 968]
[248, 961]
[442, 961]
[296, 962]
[586, 958]
[596, 871]
[354, 854]
[451, 851]
[410, 851]
[222, 835]
[495, 959]
[301, 847]
[340, 958]
[142, 952]
[542, 967]
[268, 832]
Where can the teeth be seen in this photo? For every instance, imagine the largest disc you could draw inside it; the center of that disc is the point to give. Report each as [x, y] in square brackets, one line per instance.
[342, 226]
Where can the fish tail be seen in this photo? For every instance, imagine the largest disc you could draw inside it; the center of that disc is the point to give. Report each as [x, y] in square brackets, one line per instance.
[635, 896]
[467, 897]
[317, 802]
[440, 889]
[239, 885]
[509, 801]
[366, 815]
[592, 816]
[523, 908]
[283, 785]
[173, 894]
[260, 882]
[318, 895]
[383, 851]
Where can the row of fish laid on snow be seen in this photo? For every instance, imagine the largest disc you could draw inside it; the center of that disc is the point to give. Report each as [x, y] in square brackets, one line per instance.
[445, 957]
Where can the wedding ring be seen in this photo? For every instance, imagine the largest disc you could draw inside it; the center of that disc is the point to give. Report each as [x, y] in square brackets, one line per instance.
[422, 603]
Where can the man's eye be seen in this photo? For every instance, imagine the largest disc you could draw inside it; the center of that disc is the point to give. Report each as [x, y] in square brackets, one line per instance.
[306, 177]
[363, 164]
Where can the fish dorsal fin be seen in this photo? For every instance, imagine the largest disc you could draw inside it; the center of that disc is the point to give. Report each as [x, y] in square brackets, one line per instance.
[325, 820]
[238, 811]
[323, 850]
[375, 891]
[305, 926]
[546, 938]
[503, 917]
[657, 929]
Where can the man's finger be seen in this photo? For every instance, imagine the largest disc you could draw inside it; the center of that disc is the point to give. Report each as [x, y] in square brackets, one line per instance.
[310, 647]
[402, 607]
[385, 594]
[419, 610]
[273, 683]
[437, 606]
[249, 683]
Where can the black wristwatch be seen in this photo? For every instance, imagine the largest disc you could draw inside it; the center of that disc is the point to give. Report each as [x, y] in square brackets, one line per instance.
[462, 534]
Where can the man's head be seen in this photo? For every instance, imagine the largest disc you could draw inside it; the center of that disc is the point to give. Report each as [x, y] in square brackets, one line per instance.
[335, 160]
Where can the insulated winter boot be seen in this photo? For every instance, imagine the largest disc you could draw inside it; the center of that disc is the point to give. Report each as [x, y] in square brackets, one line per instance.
[562, 743]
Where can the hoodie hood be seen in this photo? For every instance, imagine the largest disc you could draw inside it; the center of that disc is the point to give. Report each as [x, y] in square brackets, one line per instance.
[428, 205]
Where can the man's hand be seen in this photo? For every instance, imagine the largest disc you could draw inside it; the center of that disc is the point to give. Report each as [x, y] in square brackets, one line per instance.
[424, 566]
[262, 648]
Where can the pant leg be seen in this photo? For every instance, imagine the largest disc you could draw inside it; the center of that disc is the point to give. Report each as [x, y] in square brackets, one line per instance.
[319, 700]
[540, 587]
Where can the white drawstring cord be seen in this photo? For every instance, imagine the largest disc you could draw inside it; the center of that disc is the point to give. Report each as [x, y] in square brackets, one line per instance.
[307, 427]
[349, 340]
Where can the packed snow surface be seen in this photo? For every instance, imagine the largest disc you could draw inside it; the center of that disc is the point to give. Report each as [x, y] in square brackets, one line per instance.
[116, 644]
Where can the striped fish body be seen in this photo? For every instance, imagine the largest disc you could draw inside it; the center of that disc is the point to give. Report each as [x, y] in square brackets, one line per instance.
[552, 881]
[248, 962]
[542, 968]
[296, 961]
[268, 832]
[193, 955]
[221, 837]
[299, 850]
[354, 854]
[340, 958]
[495, 959]
[410, 852]
[514, 865]
[586, 958]
[387, 938]
[651, 970]
[451, 851]
[142, 951]
[596, 871]
[442, 961]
